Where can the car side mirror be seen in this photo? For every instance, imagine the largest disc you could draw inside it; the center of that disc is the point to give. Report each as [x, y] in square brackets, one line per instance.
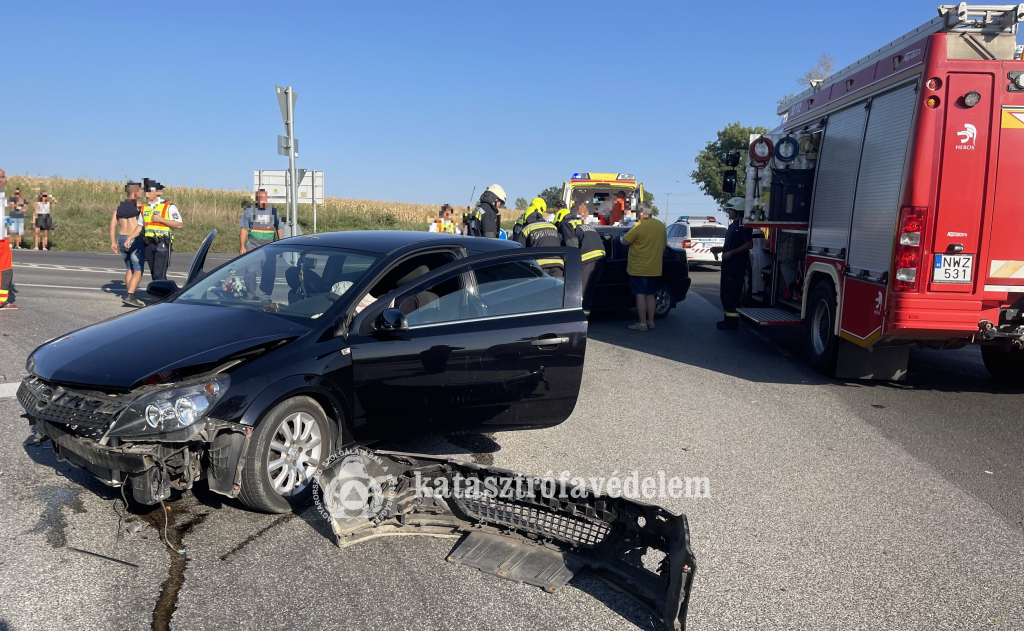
[161, 289]
[391, 320]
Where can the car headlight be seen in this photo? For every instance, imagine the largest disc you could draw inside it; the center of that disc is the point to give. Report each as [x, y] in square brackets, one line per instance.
[171, 409]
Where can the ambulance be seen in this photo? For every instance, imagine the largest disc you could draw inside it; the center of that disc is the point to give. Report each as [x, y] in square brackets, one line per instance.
[599, 192]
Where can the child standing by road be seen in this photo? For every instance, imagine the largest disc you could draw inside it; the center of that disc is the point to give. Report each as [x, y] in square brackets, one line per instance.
[43, 221]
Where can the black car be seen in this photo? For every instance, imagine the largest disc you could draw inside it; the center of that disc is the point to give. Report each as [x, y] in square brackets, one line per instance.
[613, 287]
[254, 373]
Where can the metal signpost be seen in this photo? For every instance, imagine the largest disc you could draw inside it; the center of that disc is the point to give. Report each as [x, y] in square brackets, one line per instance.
[286, 98]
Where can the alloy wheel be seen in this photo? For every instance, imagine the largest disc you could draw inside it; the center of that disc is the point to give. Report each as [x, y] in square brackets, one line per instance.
[295, 451]
[662, 300]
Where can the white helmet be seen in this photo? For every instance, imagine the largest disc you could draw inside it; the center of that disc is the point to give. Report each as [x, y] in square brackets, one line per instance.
[498, 192]
[736, 203]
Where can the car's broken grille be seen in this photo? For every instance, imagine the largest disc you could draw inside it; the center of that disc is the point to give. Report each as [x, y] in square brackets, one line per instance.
[536, 519]
[86, 413]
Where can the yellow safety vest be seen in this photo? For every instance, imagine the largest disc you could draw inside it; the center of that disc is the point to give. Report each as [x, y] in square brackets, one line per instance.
[156, 229]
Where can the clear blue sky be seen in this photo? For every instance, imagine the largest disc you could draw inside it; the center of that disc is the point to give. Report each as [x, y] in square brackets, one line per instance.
[411, 101]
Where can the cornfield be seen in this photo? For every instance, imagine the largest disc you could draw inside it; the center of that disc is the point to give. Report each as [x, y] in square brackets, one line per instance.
[82, 211]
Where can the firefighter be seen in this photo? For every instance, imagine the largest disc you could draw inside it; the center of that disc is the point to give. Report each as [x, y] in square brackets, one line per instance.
[576, 233]
[484, 220]
[738, 241]
[160, 217]
[538, 233]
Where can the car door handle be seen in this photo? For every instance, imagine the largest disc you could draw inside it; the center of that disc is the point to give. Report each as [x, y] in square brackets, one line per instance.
[550, 341]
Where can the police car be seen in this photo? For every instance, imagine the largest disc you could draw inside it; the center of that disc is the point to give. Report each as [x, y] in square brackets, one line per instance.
[696, 236]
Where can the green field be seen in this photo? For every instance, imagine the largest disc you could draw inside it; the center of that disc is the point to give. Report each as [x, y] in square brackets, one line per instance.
[81, 214]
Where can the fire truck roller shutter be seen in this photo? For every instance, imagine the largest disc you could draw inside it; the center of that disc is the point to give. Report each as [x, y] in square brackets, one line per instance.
[881, 173]
[837, 179]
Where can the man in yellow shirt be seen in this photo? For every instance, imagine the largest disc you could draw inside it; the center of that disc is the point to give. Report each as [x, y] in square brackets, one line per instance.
[646, 241]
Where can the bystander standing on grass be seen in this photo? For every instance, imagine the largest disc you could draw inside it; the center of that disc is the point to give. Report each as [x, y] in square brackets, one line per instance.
[42, 219]
[16, 211]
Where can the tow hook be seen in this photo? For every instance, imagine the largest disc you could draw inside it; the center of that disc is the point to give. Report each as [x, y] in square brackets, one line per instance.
[990, 332]
[987, 330]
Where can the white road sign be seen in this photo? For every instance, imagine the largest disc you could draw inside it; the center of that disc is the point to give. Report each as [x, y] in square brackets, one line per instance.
[276, 185]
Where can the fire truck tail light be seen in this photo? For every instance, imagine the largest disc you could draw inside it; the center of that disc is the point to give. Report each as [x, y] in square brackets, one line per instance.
[910, 238]
[908, 255]
[932, 102]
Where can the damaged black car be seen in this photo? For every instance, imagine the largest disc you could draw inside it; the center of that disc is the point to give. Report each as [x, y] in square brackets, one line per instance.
[251, 374]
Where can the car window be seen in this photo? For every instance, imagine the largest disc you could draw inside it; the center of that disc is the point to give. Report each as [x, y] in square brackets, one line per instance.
[501, 289]
[708, 232]
[297, 282]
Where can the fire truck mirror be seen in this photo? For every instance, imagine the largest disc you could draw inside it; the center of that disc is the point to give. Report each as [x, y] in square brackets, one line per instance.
[729, 181]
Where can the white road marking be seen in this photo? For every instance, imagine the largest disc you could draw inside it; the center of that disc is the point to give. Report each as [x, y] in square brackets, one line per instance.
[78, 268]
[8, 390]
[16, 285]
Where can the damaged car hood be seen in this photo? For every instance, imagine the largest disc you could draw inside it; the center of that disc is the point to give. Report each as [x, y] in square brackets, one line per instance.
[120, 352]
[542, 539]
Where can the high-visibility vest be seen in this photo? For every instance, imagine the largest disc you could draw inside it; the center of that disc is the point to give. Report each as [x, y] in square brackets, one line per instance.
[261, 226]
[443, 226]
[155, 229]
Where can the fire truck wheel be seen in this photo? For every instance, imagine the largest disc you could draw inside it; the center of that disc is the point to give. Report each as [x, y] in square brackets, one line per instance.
[1006, 365]
[822, 345]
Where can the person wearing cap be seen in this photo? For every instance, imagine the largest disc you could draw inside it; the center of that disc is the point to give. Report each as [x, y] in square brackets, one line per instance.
[484, 219]
[160, 217]
[127, 223]
[738, 241]
[577, 233]
[6, 266]
[537, 232]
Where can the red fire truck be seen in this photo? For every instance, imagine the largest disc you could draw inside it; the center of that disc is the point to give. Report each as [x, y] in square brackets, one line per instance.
[888, 202]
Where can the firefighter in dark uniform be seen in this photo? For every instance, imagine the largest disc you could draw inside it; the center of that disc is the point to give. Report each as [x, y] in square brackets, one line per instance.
[485, 219]
[537, 232]
[577, 234]
[738, 241]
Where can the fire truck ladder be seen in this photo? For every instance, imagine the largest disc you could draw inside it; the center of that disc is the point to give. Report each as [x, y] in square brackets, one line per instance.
[970, 19]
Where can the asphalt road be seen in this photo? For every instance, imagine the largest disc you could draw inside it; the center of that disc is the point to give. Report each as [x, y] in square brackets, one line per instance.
[834, 505]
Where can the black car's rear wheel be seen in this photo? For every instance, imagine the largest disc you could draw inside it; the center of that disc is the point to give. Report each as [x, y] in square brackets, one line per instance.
[662, 300]
[285, 450]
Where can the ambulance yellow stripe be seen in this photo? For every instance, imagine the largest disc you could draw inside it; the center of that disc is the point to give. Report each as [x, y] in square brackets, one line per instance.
[1006, 269]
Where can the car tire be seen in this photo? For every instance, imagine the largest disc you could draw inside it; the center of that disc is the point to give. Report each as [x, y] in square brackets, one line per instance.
[822, 342]
[271, 476]
[1005, 364]
[662, 300]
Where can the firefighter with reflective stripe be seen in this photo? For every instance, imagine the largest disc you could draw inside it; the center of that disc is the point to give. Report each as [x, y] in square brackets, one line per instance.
[160, 217]
[577, 233]
[485, 219]
[738, 241]
[538, 233]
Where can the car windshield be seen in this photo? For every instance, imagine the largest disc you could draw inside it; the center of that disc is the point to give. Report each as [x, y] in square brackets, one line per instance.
[297, 282]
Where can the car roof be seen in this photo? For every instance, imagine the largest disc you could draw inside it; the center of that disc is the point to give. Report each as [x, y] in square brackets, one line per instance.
[385, 241]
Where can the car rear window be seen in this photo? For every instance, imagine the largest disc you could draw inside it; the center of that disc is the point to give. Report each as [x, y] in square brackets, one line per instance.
[707, 232]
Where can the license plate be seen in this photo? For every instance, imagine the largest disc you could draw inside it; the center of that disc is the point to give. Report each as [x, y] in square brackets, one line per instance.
[953, 268]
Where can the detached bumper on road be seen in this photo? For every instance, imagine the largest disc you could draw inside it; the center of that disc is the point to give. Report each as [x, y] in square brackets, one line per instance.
[542, 540]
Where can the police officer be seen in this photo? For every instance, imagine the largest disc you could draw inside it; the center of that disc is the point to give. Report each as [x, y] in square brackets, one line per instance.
[576, 233]
[738, 241]
[160, 217]
[538, 233]
[484, 220]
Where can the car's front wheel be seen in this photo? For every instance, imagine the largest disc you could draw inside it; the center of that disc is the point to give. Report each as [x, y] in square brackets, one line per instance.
[285, 450]
[662, 300]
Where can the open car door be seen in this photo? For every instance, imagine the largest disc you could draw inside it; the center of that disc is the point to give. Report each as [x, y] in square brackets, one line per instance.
[490, 342]
[200, 258]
